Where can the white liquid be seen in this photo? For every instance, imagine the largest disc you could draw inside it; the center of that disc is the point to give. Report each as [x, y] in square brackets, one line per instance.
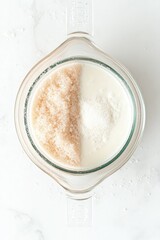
[105, 117]
[97, 83]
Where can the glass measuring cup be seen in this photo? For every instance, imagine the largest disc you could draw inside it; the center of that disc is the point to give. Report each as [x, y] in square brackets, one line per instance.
[78, 46]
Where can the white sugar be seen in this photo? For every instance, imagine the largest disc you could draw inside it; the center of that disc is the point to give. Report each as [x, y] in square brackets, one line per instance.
[98, 118]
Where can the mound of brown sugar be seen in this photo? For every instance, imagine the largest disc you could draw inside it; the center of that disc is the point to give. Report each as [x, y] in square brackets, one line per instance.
[56, 113]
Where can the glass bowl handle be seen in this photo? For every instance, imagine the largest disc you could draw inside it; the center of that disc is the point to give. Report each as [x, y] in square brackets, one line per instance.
[79, 212]
[79, 17]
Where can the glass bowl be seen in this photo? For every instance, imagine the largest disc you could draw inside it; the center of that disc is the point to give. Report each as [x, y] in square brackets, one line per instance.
[78, 47]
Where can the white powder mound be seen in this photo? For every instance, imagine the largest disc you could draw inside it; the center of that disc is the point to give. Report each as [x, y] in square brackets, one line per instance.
[98, 118]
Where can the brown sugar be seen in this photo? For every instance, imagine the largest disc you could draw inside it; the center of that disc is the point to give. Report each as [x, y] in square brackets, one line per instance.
[56, 113]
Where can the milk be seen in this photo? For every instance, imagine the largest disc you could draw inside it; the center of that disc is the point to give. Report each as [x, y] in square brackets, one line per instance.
[99, 83]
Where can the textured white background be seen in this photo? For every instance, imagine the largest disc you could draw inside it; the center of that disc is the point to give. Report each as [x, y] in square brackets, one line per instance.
[126, 206]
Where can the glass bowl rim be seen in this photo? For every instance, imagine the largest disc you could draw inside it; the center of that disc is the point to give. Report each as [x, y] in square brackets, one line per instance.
[115, 158]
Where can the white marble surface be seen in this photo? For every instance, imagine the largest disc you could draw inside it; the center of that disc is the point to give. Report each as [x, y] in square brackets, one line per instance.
[126, 206]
